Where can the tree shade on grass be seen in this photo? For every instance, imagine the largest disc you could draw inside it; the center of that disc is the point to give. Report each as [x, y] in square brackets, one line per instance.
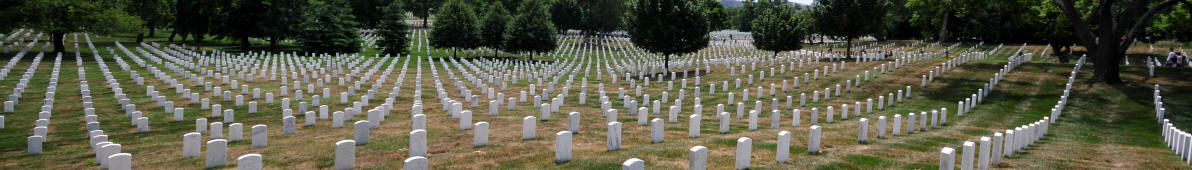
[668, 27]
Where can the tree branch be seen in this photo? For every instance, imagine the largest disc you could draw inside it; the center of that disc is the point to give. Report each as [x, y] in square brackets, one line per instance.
[1082, 31]
[1130, 35]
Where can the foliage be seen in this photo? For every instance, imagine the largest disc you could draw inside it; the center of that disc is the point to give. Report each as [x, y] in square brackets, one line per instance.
[778, 29]
[601, 16]
[285, 20]
[59, 17]
[1176, 24]
[243, 21]
[667, 27]
[848, 19]
[715, 14]
[368, 12]
[492, 28]
[423, 8]
[566, 15]
[331, 28]
[393, 29]
[531, 31]
[455, 27]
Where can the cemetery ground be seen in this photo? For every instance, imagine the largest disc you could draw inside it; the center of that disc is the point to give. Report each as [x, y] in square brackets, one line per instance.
[1104, 127]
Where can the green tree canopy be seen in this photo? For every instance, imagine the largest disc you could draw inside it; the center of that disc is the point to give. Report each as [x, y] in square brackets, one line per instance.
[667, 27]
[455, 27]
[601, 16]
[423, 8]
[531, 30]
[566, 15]
[778, 29]
[1176, 24]
[492, 29]
[393, 29]
[242, 22]
[368, 12]
[715, 14]
[59, 17]
[285, 19]
[848, 19]
[331, 28]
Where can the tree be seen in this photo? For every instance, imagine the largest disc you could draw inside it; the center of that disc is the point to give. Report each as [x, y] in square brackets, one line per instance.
[848, 19]
[566, 15]
[750, 10]
[243, 21]
[59, 17]
[531, 31]
[1175, 25]
[1054, 28]
[455, 27]
[152, 12]
[715, 14]
[423, 8]
[667, 27]
[368, 12]
[778, 29]
[331, 28]
[285, 20]
[492, 29]
[601, 16]
[1113, 26]
[393, 29]
[199, 17]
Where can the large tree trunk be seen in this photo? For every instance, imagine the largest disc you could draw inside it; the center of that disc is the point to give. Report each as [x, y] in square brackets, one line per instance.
[273, 43]
[140, 37]
[1059, 53]
[1107, 54]
[666, 64]
[848, 48]
[172, 34]
[943, 35]
[152, 28]
[56, 38]
[427, 12]
[244, 44]
[198, 38]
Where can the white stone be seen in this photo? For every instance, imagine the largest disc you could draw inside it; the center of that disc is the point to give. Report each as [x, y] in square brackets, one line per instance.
[744, 151]
[260, 136]
[947, 158]
[813, 144]
[217, 153]
[563, 146]
[418, 142]
[191, 145]
[633, 164]
[361, 132]
[250, 161]
[345, 154]
[613, 138]
[416, 163]
[480, 134]
[697, 158]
